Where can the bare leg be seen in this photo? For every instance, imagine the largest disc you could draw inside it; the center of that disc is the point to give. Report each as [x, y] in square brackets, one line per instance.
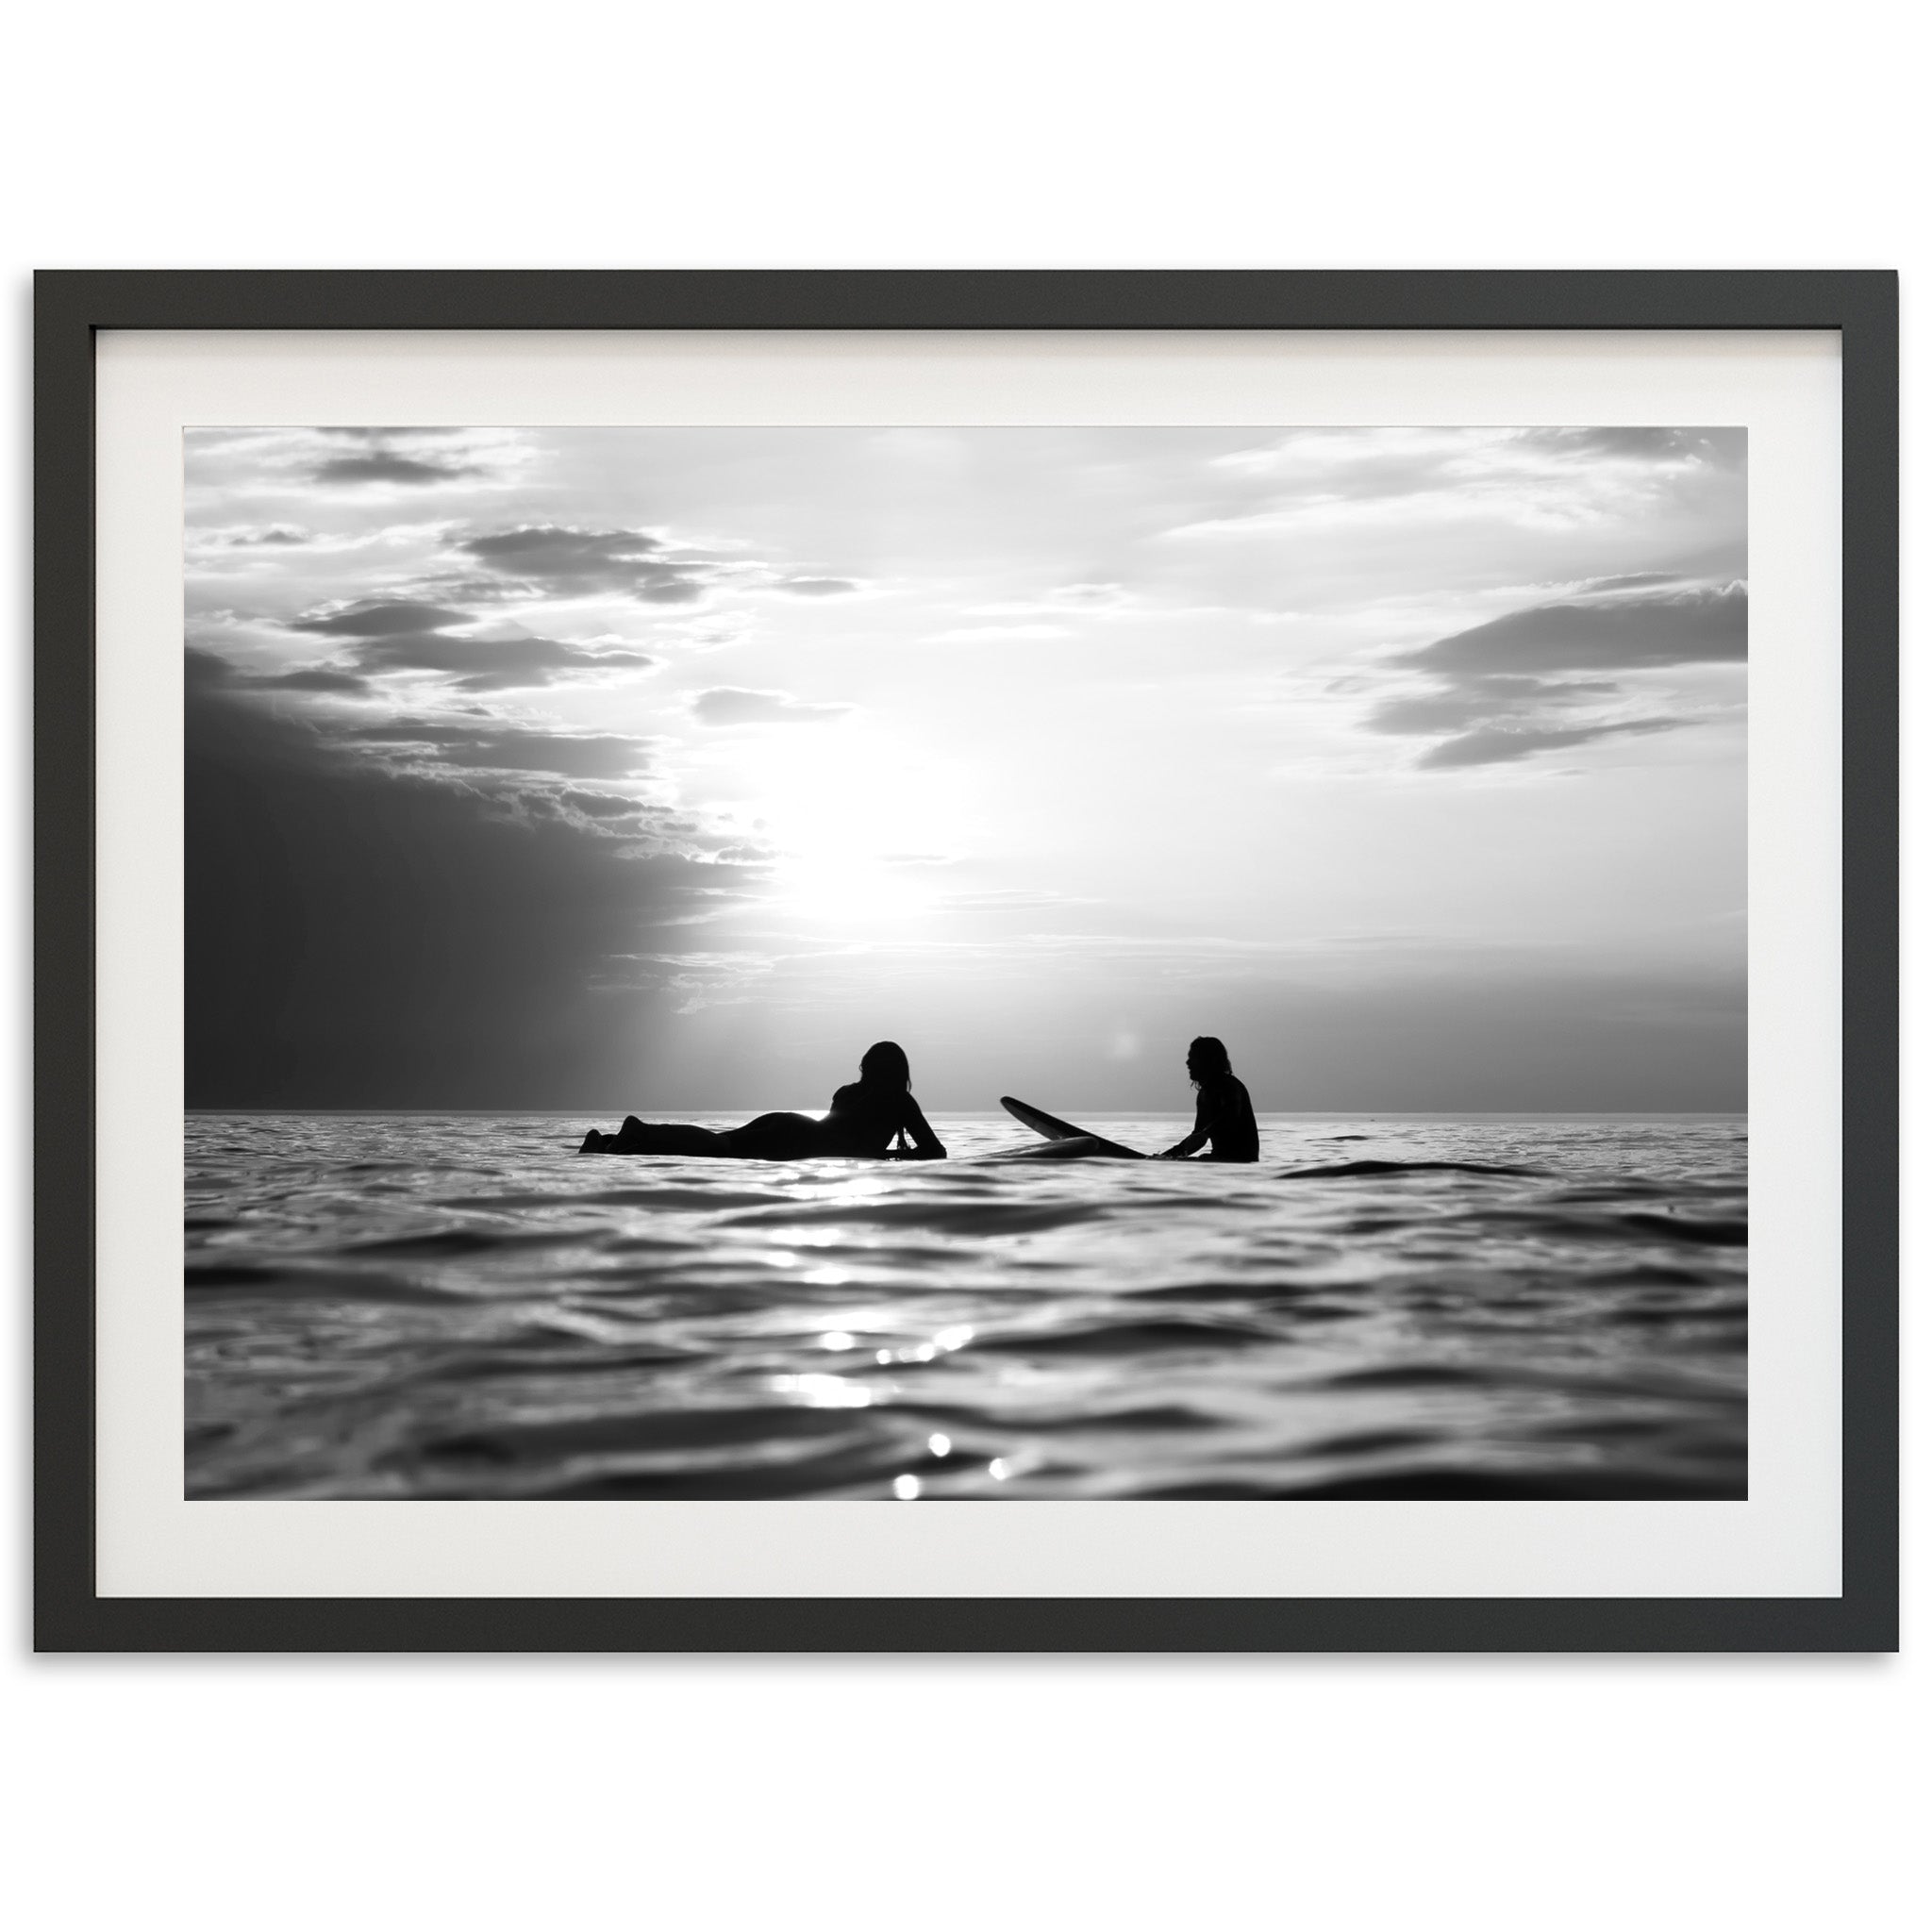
[771, 1137]
[647, 1137]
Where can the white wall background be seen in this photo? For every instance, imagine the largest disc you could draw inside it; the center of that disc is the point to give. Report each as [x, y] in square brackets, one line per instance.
[1335, 1793]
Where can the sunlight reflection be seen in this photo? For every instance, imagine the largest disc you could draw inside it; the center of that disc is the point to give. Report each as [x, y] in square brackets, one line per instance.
[842, 1188]
[944, 1343]
[824, 1391]
[836, 1339]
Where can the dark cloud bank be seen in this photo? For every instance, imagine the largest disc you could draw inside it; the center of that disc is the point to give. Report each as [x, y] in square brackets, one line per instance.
[359, 937]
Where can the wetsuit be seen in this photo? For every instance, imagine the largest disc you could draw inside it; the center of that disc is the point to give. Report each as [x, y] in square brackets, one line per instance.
[864, 1120]
[1224, 1122]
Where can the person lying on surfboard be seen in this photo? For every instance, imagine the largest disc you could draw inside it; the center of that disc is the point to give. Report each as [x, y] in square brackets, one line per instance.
[1224, 1114]
[866, 1117]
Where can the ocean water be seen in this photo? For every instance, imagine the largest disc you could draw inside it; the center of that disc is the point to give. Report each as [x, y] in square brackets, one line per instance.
[461, 1306]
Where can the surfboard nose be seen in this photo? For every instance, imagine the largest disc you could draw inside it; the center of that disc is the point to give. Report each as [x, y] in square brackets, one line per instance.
[1050, 1128]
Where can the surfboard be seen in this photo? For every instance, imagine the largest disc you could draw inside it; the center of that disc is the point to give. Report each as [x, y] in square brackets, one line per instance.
[1050, 1128]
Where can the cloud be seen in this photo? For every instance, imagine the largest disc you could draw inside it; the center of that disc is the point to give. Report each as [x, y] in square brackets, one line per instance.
[1503, 486]
[1497, 744]
[727, 705]
[700, 979]
[275, 534]
[598, 805]
[1636, 580]
[358, 935]
[1506, 690]
[1638, 442]
[207, 671]
[385, 466]
[200, 669]
[579, 563]
[404, 635]
[1698, 624]
[431, 747]
[559, 754]
[1455, 707]
[509, 663]
[430, 610]
[317, 677]
[395, 619]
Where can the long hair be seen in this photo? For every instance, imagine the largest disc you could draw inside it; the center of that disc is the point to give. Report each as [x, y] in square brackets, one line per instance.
[1209, 1055]
[885, 1065]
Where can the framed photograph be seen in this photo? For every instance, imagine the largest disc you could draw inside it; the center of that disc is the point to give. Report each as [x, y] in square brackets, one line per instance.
[679, 910]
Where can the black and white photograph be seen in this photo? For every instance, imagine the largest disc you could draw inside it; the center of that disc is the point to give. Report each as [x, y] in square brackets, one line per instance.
[1137, 763]
[966, 963]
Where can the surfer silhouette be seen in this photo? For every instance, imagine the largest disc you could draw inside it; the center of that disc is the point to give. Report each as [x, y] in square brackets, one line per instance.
[867, 1117]
[1224, 1115]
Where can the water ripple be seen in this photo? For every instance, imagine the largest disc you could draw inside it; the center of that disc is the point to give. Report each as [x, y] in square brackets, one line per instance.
[408, 1306]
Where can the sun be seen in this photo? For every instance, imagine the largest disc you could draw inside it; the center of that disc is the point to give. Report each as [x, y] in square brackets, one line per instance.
[843, 815]
[849, 890]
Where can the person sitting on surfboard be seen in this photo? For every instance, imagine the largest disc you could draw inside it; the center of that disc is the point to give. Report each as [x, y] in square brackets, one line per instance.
[1224, 1115]
[866, 1116]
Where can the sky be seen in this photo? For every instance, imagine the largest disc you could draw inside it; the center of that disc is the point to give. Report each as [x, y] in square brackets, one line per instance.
[663, 770]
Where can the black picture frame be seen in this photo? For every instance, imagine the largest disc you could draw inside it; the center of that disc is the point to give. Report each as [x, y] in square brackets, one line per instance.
[72, 307]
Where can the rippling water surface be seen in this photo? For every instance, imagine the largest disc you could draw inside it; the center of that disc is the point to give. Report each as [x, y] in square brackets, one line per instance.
[461, 1306]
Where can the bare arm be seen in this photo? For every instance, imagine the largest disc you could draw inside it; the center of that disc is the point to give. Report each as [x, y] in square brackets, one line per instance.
[927, 1145]
[1198, 1139]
